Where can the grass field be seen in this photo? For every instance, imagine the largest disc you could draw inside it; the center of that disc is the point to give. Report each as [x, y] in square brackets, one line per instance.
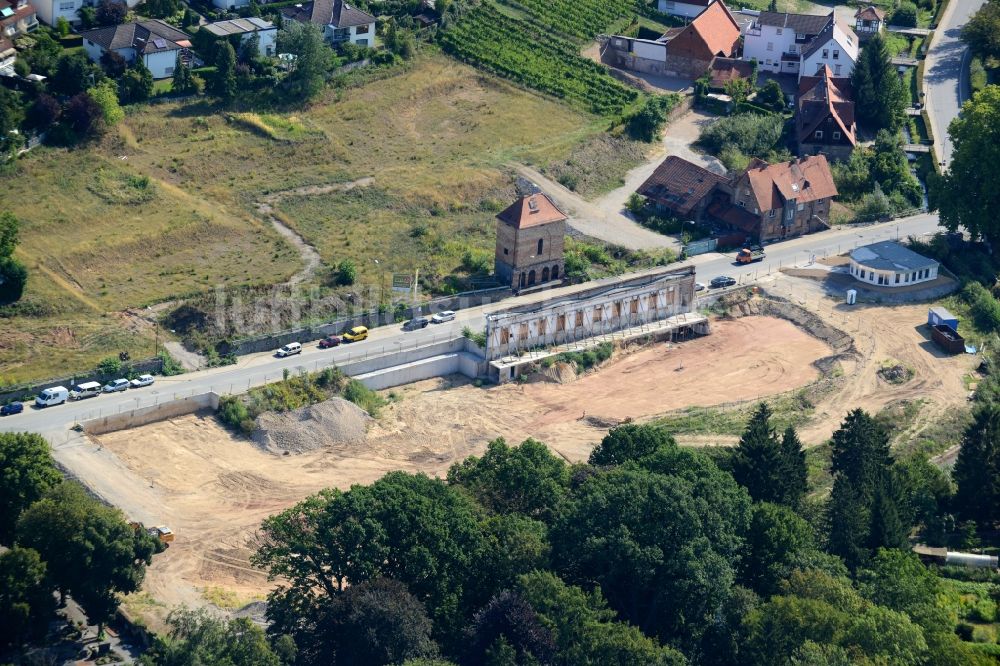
[101, 234]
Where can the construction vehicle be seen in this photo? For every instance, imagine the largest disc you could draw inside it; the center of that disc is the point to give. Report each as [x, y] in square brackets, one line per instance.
[161, 532]
[748, 255]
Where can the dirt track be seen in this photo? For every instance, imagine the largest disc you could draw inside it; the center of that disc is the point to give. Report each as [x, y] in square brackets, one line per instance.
[213, 489]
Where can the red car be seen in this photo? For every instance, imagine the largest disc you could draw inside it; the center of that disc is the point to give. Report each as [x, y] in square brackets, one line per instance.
[329, 341]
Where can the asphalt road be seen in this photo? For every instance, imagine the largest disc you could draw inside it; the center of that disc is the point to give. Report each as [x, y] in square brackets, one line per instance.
[259, 369]
[946, 80]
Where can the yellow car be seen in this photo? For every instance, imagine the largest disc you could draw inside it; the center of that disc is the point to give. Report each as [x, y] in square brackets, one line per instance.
[356, 334]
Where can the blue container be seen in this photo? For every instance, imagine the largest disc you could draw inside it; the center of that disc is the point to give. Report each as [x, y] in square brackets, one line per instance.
[941, 317]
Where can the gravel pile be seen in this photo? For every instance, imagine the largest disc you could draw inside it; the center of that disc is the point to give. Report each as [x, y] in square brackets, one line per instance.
[332, 423]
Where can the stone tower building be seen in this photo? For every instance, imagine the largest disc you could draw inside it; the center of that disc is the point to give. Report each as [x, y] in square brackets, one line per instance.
[530, 240]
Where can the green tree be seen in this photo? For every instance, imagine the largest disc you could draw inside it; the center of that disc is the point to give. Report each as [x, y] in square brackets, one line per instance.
[26, 601]
[183, 82]
[9, 228]
[982, 32]
[968, 196]
[11, 116]
[866, 510]
[977, 469]
[223, 81]
[375, 622]
[508, 631]
[879, 96]
[772, 470]
[663, 557]
[889, 168]
[105, 96]
[111, 12]
[114, 64]
[630, 442]
[89, 548]
[928, 491]
[136, 85]
[771, 96]
[74, 74]
[905, 15]
[13, 279]
[413, 529]
[27, 472]
[196, 637]
[526, 479]
[62, 26]
[776, 540]
[584, 629]
[312, 59]
[88, 17]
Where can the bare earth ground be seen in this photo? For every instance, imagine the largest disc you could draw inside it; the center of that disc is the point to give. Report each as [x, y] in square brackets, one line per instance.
[213, 489]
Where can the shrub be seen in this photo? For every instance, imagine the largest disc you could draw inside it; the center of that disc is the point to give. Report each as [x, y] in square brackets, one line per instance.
[874, 205]
[347, 273]
[751, 134]
[771, 96]
[363, 397]
[475, 260]
[13, 279]
[235, 414]
[112, 365]
[985, 309]
[905, 15]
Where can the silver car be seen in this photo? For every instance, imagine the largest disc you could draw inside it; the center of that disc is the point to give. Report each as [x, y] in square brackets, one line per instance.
[116, 385]
[441, 317]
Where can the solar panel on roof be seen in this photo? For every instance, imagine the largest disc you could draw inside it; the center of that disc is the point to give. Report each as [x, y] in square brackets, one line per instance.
[160, 43]
[6, 11]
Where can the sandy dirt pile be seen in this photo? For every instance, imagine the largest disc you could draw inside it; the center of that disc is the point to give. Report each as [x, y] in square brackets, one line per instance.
[335, 422]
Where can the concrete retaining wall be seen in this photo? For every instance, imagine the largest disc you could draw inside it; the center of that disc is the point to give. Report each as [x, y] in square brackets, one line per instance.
[436, 366]
[20, 393]
[208, 402]
[371, 320]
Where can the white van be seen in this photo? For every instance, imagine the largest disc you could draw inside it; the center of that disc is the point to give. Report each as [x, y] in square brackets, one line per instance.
[290, 349]
[85, 390]
[56, 395]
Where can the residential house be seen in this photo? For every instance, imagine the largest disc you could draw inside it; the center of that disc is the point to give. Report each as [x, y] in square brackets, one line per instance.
[824, 122]
[8, 54]
[49, 11]
[686, 9]
[680, 188]
[685, 52]
[530, 241]
[868, 21]
[770, 202]
[339, 21]
[800, 44]
[157, 43]
[17, 17]
[836, 47]
[265, 31]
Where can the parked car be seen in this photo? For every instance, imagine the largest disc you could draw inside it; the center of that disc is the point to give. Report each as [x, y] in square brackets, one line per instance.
[142, 380]
[85, 390]
[356, 334]
[722, 281]
[699, 286]
[330, 341]
[290, 349]
[116, 385]
[56, 395]
[11, 408]
[441, 317]
[416, 324]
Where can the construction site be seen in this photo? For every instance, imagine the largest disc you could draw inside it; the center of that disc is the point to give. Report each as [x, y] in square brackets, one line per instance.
[213, 487]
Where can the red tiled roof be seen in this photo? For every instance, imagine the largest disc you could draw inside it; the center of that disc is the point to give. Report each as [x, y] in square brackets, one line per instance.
[806, 179]
[870, 13]
[822, 97]
[713, 32]
[678, 184]
[531, 210]
[724, 70]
